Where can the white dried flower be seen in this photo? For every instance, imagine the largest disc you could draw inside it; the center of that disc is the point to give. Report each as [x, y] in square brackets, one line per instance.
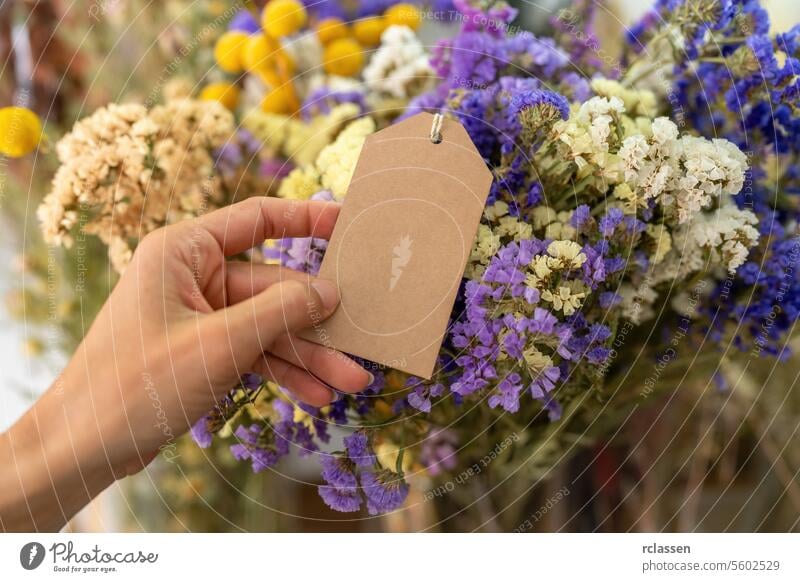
[664, 130]
[729, 234]
[400, 67]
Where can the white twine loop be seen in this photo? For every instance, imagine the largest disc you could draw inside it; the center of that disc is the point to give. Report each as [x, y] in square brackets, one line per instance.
[436, 128]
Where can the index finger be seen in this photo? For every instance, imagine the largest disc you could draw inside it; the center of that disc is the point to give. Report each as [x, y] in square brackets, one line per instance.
[243, 225]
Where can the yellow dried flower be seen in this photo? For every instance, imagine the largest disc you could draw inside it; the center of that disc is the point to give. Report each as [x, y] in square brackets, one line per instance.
[300, 184]
[343, 57]
[225, 93]
[403, 14]
[279, 99]
[283, 17]
[368, 31]
[20, 131]
[331, 29]
[228, 51]
[259, 52]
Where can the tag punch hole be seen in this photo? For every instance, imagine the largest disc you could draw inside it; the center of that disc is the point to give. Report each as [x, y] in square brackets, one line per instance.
[436, 128]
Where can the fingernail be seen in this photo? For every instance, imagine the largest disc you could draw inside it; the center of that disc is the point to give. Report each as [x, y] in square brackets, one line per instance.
[335, 396]
[327, 293]
[371, 378]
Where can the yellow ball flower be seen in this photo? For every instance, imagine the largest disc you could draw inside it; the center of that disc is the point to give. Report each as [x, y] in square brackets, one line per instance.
[258, 52]
[278, 99]
[331, 29]
[270, 77]
[20, 131]
[343, 57]
[368, 31]
[403, 15]
[228, 51]
[283, 17]
[225, 93]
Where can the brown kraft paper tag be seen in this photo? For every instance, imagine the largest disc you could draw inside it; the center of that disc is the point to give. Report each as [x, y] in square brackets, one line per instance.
[401, 243]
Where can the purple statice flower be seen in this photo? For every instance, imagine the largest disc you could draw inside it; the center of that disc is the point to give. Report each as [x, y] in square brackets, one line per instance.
[385, 491]
[444, 9]
[609, 299]
[764, 63]
[275, 168]
[594, 269]
[588, 340]
[539, 98]
[576, 36]
[322, 100]
[544, 383]
[438, 451]
[320, 10]
[237, 152]
[432, 101]
[200, 432]
[253, 445]
[609, 222]
[441, 62]
[359, 450]
[751, 98]
[338, 471]
[420, 396]
[476, 59]
[228, 158]
[695, 29]
[264, 443]
[581, 217]
[473, 112]
[244, 21]
[346, 500]
[372, 7]
[483, 332]
[301, 254]
[554, 409]
[540, 56]
[419, 399]
[482, 15]
[203, 430]
[250, 381]
[507, 393]
[575, 87]
[768, 279]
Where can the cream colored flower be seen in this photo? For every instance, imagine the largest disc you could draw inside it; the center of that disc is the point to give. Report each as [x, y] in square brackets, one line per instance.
[126, 171]
[662, 239]
[566, 298]
[337, 162]
[567, 252]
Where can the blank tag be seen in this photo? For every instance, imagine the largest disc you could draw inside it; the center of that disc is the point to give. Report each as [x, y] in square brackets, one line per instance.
[401, 244]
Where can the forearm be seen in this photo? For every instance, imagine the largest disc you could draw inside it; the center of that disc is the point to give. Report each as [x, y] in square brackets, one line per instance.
[48, 473]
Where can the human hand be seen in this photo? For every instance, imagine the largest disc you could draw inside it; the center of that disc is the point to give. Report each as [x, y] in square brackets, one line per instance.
[179, 329]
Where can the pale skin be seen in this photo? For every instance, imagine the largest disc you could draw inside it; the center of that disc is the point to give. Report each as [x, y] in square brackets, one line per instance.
[186, 322]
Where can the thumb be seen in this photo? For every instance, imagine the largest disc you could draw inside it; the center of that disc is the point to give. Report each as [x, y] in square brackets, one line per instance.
[251, 326]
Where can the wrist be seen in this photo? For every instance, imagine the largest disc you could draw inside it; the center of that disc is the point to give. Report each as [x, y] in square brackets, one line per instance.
[49, 470]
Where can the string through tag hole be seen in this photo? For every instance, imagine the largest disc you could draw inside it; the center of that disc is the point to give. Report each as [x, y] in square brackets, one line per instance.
[436, 128]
